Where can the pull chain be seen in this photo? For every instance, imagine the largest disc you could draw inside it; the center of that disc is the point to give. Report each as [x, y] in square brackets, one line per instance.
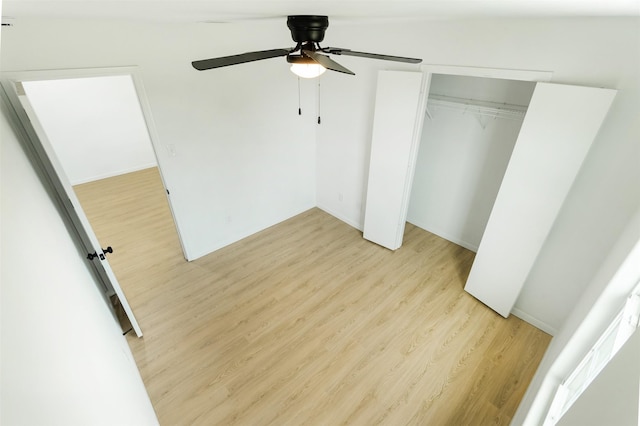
[318, 100]
[299, 107]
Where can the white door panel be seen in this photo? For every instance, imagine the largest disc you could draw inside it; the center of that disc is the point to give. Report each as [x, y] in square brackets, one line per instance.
[397, 125]
[560, 125]
[58, 178]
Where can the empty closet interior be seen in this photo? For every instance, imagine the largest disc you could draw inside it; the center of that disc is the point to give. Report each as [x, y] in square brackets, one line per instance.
[468, 135]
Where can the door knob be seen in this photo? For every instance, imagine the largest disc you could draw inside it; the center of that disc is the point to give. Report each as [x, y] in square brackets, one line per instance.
[93, 255]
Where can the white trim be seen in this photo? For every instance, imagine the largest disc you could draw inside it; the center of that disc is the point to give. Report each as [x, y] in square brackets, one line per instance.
[65, 74]
[413, 153]
[621, 328]
[473, 106]
[505, 74]
[116, 173]
[534, 321]
[342, 218]
[145, 106]
[448, 237]
[242, 235]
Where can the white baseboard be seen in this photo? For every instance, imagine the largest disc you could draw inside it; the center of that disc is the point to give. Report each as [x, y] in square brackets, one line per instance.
[534, 321]
[448, 237]
[222, 244]
[348, 221]
[115, 173]
[239, 236]
[517, 312]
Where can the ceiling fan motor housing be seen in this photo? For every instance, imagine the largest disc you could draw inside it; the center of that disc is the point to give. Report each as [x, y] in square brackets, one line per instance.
[306, 28]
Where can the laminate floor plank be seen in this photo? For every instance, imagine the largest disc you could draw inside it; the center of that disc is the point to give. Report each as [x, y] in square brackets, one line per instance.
[307, 323]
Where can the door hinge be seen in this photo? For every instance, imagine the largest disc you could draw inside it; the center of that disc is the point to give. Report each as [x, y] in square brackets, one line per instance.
[20, 89]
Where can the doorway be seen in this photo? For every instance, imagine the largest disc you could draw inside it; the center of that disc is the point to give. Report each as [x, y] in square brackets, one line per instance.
[90, 127]
[94, 124]
[561, 123]
[401, 106]
[469, 132]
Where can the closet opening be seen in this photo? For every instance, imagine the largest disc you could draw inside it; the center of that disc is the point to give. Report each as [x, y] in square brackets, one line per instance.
[475, 170]
[468, 135]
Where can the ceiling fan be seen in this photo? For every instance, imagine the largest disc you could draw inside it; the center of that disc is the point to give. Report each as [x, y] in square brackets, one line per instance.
[306, 58]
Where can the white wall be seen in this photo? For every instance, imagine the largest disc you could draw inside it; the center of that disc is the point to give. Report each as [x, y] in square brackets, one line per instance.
[244, 159]
[569, 273]
[462, 159]
[590, 52]
[344, 141]
[591, 313]
[617, 384]
[95, 125]
[63, 358]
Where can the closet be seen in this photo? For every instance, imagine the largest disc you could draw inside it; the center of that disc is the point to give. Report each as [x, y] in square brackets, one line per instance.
[474, 184]
[469, 132]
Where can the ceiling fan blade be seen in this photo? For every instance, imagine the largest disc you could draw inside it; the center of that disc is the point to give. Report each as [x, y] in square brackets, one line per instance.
[326, 62]
[348, 52]
[207, 64]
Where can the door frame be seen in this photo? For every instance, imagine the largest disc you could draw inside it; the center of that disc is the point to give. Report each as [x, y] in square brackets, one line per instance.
[463, 71]
[36, 140]
[497, 73]
[11, 82]
[428, 70]
[412, 152]
[58, 190]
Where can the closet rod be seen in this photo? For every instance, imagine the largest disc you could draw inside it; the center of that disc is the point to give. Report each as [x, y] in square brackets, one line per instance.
[492, 109]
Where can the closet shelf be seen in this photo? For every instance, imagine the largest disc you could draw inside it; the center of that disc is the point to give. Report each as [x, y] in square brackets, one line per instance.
[473, 106]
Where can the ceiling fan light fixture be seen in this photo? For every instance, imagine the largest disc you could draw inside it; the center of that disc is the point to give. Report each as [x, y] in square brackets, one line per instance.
[308, 59]
[307, 70]
[305, 67]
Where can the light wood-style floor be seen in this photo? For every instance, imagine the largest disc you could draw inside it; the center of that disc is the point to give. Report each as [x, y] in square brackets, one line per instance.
[307, 323]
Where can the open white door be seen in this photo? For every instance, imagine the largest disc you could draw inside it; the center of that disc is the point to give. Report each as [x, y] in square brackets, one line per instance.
[58, 178]
[560, 125]
[397, 127]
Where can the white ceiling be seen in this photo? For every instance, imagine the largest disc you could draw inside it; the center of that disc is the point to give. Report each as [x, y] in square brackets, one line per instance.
[348, 10]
